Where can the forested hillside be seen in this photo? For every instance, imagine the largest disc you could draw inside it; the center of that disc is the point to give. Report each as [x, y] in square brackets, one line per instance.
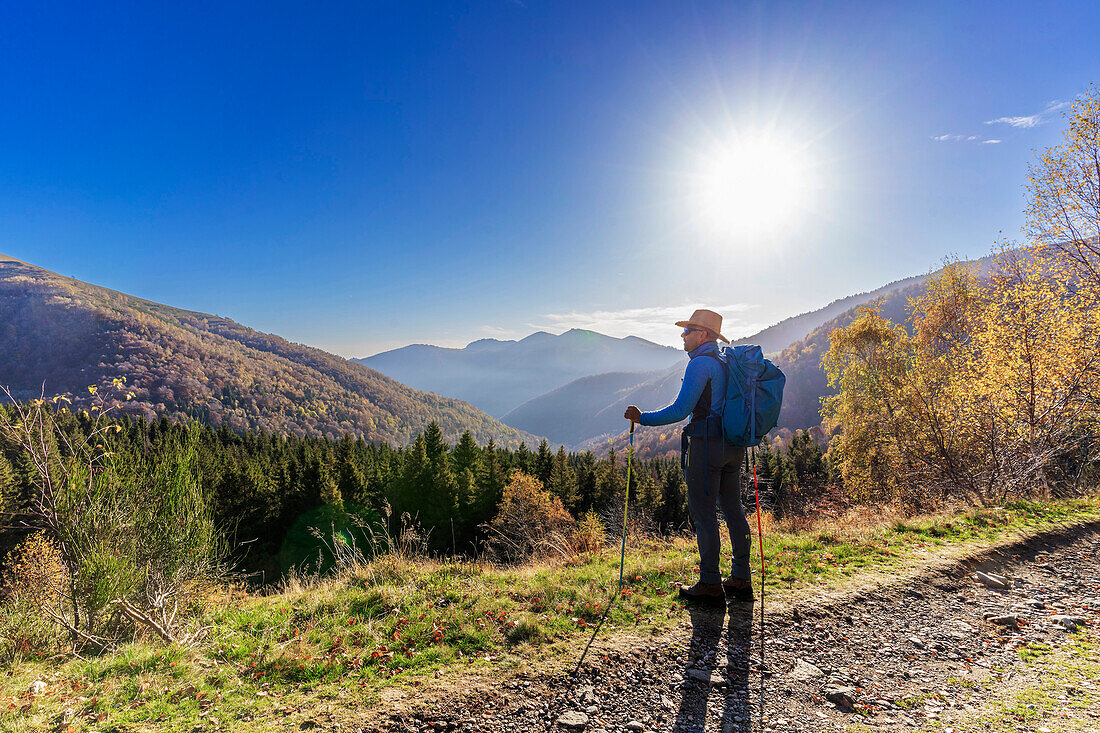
[69, 335]
[267, 491]
[801, 361]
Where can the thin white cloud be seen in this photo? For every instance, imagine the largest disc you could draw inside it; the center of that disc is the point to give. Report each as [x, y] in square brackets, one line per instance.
[963, 138]
[1027, 121]
[655, 323]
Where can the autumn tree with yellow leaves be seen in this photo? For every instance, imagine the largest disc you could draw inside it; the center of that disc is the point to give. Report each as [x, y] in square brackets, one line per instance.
[1063, 211]
[992, 389]
[530, 522]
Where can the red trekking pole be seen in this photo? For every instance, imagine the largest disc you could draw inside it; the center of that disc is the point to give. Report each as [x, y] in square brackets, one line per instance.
[760, 536]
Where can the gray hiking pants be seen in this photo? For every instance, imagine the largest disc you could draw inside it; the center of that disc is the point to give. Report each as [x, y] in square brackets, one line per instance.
[713, 476]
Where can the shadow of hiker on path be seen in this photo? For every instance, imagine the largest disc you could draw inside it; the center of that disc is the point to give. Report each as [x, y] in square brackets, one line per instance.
[738, 713]
[702, 653]
[707, 668]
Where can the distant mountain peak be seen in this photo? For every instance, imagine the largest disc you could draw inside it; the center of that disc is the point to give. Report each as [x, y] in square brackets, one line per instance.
[536, 336]
[497, 376]
[487, 343]
[647, 342]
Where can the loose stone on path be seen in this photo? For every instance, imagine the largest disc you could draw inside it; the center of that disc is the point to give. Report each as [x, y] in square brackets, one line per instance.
[843, 697]
[573, 719]
[990, 580]
[804, 671]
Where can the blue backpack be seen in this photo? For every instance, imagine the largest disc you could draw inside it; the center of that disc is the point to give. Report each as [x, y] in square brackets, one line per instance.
[754, 395]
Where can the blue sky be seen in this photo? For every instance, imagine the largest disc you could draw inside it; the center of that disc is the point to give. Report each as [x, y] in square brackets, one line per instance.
[365, 175]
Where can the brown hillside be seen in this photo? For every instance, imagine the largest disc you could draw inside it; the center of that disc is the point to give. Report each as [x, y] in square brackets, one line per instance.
[69, 335]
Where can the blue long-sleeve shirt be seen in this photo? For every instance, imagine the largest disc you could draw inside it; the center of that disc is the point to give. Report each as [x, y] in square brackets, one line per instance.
[698, 371]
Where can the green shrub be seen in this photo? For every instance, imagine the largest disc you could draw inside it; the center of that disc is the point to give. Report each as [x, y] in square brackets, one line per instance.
[134, 532]
[590, 534]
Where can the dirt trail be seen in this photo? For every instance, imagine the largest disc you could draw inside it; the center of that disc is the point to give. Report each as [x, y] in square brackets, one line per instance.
[911, 653]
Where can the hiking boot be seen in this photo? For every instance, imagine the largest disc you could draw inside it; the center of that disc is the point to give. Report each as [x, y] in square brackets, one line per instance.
[738, 589]
[703, 592]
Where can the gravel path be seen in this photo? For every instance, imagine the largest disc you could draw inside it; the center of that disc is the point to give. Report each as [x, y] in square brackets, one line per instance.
[904, 655]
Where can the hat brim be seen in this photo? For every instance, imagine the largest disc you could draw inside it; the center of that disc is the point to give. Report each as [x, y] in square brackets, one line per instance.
[685, 324]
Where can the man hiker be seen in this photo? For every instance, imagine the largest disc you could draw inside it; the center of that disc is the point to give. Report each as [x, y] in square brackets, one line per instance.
[713, 466]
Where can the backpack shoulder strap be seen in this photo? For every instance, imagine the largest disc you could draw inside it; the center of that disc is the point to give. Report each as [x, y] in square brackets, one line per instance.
[702, 407]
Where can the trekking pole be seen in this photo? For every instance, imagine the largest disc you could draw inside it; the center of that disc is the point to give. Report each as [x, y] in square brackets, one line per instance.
[622, 557]
[760, 536]
[626, 502]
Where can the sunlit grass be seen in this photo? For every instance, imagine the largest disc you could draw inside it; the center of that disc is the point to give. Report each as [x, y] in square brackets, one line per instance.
[271, 660]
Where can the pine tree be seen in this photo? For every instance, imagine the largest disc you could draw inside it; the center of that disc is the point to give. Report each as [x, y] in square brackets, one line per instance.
[522, 459]
[544, 463]
[562, 483]
[490, 484]
[466, 491]
[647, 492]
[782, 478]
[352, 482]
[609, 481]
[406, 492]
[807, 461]
[466, 455]
[439, 503]
[379, 478]
[585, 471]
[672, 513]
[327, 489]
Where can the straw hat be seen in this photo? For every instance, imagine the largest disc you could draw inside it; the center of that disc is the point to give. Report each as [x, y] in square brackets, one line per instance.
[705, 319]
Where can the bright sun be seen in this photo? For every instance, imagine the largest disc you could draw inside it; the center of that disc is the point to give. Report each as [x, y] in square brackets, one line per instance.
[751, 185]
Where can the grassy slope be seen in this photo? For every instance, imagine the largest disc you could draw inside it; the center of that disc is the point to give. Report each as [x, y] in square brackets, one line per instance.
[333, 647]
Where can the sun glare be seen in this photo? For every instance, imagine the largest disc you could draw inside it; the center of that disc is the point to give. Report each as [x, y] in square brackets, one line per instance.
[751, 185]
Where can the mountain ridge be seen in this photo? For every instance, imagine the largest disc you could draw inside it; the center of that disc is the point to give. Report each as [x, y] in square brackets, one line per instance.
[575, 411]
[182, 364]
[806, 382]
[498, 376]
[777, 337]
[800, 361]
